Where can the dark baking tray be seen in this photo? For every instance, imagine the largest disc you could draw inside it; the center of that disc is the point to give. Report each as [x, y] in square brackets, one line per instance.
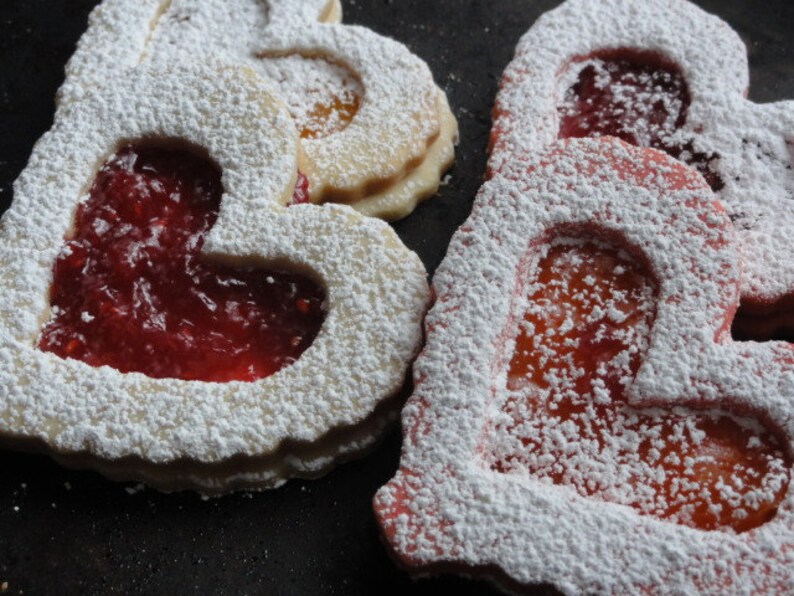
[67, 532]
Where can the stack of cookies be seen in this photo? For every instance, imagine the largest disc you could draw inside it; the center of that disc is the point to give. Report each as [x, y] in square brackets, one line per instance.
[583, 416]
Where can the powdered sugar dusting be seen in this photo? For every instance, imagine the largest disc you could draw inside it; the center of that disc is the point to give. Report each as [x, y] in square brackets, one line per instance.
[742, 148]
[120, 32]
[636, 97]
[448, 505]
[564, 419]
[321, 96]
[211, 436]
[383, 140]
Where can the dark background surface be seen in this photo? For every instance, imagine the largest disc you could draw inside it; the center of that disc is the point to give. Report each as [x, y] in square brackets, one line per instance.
[73, 532]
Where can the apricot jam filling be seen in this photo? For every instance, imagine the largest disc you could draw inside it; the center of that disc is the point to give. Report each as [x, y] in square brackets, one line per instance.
[635, 96]
[322, 94]
[324, 119]
[566, 420]
[132, 291]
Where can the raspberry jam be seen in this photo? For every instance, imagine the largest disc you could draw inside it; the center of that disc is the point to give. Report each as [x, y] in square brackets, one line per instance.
[300, 196]
[131, 290]
[635, 96]
[584, 333]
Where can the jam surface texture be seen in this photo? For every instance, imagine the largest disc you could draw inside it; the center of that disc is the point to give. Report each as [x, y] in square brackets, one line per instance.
[585, 330]
[131, 290]
[637, 97]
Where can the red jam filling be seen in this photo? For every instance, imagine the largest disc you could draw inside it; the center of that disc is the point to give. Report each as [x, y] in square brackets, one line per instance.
[132, 291]
[582, 339]
[300, 195]
[637, 97]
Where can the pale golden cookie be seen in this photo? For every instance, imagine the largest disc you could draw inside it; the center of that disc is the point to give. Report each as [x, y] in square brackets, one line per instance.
[377, 132]
[328, 405]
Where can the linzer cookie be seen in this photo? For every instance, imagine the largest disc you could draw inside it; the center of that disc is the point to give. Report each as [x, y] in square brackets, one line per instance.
[661, 74]
[376, 131]
[581, 415]
[152, 328]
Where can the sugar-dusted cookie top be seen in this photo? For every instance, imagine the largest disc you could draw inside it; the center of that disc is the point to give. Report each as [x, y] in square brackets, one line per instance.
[377, 132]
[168, 318]
[667, 75]
[581, 416]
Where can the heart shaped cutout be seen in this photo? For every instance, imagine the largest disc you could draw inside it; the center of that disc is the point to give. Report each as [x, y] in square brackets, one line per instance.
[331, 403]
[131, 291]
[566, 419]
[581, 416]
[662, 74]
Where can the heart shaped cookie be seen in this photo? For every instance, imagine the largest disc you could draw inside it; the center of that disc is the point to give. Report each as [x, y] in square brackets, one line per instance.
[118, 257]
[376, 131]
[662, 74]
[581, 416]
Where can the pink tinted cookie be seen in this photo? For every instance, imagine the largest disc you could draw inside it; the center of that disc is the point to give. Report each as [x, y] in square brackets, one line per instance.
[581, 416]
[667, 75]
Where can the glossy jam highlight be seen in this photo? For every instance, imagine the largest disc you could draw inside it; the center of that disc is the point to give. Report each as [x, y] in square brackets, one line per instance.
[132, 291]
